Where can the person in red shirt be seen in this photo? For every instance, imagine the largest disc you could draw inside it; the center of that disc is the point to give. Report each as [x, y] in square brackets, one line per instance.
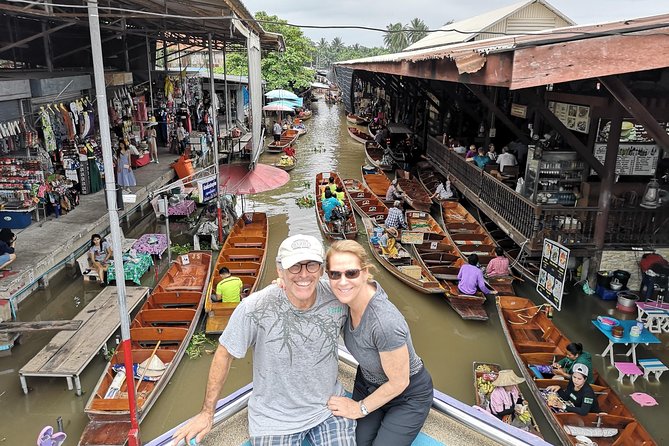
[654, 267]
[499, 266]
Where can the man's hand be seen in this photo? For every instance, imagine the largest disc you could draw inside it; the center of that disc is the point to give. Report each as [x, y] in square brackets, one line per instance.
[195, 429]
[344, 407]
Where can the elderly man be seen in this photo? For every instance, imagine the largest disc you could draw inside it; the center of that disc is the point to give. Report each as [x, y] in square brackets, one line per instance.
[294, 378]
[395, 218]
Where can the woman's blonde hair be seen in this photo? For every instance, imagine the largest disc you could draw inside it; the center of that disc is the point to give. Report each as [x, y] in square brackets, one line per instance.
[351, 247]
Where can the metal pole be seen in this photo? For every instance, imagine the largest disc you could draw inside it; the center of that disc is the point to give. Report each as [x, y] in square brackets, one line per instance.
[167, 229]
[214, 121]
[227, 99]
[149, 67]
[112, 207]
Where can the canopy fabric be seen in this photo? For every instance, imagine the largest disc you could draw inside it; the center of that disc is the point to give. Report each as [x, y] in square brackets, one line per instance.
[319, 85]
[299, 101]
[279, 107]
[281, 94]
[239, 180]
[284, 103]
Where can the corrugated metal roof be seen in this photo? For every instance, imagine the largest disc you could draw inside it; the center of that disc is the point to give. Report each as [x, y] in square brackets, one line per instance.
[475, 25]
[509, 43]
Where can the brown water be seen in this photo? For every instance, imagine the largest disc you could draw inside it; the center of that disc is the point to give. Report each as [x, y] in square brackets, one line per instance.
[447, 344]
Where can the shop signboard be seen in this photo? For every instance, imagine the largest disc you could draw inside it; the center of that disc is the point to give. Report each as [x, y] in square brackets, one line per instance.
[637, 152]
[553, 272]
[412, 238]
[574, 117]
[518, 110]
[206, 188]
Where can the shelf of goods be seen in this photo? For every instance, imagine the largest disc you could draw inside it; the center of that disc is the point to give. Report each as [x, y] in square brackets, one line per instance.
[550, 177]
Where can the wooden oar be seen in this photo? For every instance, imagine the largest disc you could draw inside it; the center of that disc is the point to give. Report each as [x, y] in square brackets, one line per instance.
[141, 378]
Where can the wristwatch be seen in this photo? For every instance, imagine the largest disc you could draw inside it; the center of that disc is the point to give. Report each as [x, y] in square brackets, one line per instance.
[363, 408]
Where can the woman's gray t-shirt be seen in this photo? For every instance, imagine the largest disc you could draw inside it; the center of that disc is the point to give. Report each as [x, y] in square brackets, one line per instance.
[295, 358]
[382, 328]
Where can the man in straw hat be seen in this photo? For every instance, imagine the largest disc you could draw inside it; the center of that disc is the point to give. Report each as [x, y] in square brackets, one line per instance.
[506, 395]
[578, 392]
[294, 334]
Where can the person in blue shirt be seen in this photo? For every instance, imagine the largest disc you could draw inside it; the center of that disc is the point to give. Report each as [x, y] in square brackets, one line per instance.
[328, 204]
[482, 158]
[7, 251]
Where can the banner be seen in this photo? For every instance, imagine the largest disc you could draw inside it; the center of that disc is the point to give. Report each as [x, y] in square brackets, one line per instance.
[553, 272]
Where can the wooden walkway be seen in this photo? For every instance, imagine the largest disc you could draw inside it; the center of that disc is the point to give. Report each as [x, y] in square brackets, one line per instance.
[69, 352]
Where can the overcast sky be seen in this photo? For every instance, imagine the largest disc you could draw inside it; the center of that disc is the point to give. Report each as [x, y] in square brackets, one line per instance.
[435, 13]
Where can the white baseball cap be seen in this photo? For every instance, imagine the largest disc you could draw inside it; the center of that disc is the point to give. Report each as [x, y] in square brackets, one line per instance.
[580, 368]
[300, 248]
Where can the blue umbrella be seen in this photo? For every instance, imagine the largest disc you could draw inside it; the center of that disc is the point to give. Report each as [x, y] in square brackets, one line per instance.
[292, 105]
[299, 101]
[281, 94]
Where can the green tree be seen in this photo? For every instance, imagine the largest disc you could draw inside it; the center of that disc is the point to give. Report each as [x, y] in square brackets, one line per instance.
[287, 69]
[395, 37]
[416, 30]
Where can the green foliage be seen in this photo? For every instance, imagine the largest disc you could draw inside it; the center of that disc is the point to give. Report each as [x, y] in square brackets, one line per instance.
[325, 54]
[198, 344]
[178, 249]
[399, 36]
[306, 201]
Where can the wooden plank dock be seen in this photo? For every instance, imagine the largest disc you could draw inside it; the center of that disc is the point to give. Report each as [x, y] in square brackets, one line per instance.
[69, 352]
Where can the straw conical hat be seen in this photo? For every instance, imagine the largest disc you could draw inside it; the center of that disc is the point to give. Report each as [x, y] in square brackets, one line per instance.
[155, 368]
[507, 378]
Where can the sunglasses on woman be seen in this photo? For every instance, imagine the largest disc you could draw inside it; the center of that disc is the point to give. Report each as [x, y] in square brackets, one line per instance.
[349, 274]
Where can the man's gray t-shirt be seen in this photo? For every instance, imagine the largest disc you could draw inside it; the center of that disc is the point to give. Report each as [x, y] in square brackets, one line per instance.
[295, 358]
[382, 328]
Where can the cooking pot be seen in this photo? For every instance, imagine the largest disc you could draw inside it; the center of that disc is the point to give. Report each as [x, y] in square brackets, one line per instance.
[627, 299]
[615, 284]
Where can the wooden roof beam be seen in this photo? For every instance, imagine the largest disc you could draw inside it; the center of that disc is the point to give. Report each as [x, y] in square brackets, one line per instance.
[636, 109]
[499, 114]
[35, 36]
[497, 71]
[568, 136]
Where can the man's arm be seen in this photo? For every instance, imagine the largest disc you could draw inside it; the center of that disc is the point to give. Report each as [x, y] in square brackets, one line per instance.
[198, 426]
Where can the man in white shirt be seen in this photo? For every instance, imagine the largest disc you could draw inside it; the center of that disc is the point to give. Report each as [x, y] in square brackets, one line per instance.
[506, 159]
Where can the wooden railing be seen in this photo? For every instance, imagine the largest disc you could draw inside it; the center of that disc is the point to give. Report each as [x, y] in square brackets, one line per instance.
[530, 223]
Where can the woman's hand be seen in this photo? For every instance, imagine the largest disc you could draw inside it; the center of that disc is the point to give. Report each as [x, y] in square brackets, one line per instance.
[553, 388]
[344, 407]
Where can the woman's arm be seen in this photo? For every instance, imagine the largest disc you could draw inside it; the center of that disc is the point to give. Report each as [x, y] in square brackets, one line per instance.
[396, 367]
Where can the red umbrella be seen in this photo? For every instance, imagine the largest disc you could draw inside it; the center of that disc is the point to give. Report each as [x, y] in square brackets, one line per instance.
[238, 179]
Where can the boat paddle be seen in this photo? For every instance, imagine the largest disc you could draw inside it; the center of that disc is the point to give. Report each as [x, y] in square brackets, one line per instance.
[141, 378]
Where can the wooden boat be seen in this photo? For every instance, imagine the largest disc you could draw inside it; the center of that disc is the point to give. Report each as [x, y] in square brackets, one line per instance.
[374, 154]
[466, 232]
[415, 195]
[441, 257]
[305, 114]
[534, 339]
[336, 229]
[377, 181]
[431, 179]
[162, 328]
[288, 137]
[482, 391]
[243, 253]
[407, 267]
[286, 163]
[301, 129]
[364, 201]
[359, 135]
[355, 119]
[373, 129]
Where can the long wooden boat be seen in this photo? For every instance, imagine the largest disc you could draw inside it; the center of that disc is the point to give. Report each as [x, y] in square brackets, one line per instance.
[359, 135]
[305, 115]
[364, 201]
[528, 267]
[374, 155]
[484, 373]
[534, 339]
[406, 267]
[442, 258]
[415, 194]
[467, 232]
[334, 230]
[288, 137]
[301, 129]
[377, 181]
[431, 179]
[373, 129]
[162, 328]
[243, 253]
[355, 119]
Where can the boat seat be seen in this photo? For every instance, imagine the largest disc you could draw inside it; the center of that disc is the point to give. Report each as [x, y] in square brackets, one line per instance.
[165, 316]
[173, 299]
[146, 336]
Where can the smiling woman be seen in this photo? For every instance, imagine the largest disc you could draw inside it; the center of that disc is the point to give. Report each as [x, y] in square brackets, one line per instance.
[393, 390]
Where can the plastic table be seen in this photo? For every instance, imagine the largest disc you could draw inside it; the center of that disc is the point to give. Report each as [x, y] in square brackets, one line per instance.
[133, 268]
[646, 337]
[143, 244]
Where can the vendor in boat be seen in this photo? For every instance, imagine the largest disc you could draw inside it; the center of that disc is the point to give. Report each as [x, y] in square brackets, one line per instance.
[395, 218]
[444, 191]
[276, 131]
[394, 191]
[575, 355]
[328, 204]
[470, 278]
[578, 393]
[388, 242]
[499, 265]
[229, 289]
[506, 401]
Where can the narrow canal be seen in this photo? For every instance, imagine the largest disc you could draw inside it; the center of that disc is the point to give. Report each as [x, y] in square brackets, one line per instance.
[447, 344]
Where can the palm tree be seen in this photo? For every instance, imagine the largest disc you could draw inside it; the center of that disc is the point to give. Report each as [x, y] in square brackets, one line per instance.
[336, 46]
[322, 48]
[416, 30]
[396, 37]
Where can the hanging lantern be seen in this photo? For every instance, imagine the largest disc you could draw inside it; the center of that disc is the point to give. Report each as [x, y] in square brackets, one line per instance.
[651, 196]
